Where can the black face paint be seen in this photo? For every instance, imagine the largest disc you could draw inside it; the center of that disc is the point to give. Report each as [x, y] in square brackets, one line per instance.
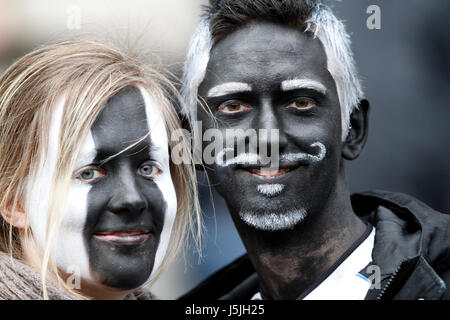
[264, 55]
[123, 200]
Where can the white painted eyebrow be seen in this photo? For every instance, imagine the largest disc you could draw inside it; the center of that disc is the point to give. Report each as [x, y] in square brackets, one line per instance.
[228, 88]
[299, 83]
[86, 156]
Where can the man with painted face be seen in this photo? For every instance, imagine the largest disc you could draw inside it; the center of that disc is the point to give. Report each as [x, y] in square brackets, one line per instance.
[286, 67]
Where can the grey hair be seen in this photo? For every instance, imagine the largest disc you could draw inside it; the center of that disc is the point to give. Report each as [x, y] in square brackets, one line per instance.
[195, 64]
[325, 26]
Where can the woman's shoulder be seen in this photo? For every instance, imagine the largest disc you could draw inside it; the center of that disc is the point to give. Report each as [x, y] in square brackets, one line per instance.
[19, 281]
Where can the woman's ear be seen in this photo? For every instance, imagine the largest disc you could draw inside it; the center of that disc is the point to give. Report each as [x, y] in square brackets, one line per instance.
[15, 216]
[357, 132]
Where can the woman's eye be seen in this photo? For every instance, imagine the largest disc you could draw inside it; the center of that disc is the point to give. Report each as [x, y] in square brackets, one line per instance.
[148, 171]
[89, 175]
[234, 107]
[302, 104]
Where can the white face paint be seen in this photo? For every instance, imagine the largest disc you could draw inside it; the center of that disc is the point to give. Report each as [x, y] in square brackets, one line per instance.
[160, 150]
[273, 221]
[68, 249]
[226, 157]
[299, 83]
[270, 189]
[228, 88]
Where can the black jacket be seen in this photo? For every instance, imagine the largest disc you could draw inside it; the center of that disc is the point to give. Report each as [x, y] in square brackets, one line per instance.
[412, 249]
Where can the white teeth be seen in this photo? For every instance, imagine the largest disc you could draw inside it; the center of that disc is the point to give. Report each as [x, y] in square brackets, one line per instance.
[270, 190]
[269, 173]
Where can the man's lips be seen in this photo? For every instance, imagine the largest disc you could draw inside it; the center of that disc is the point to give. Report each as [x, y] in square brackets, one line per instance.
[268, 173]
[123, 237]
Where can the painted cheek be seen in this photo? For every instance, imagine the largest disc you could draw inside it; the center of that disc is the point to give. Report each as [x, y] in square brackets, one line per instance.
[164, 182]
[165, 185]
[39, 183]
[68, 250]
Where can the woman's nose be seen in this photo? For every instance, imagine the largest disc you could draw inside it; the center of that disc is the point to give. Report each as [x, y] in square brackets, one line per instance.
[127, 196]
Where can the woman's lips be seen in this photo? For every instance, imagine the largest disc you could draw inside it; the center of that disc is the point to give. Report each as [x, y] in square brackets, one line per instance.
[123, 237]
[269, 173]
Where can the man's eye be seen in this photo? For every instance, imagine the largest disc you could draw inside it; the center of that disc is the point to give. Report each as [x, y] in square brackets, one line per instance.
[234, 107]
[302, 104]
[89, 175]
[148, 170]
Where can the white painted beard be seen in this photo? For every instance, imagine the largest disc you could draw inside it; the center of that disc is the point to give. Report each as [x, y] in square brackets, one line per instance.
[272, 221]
[269, 189]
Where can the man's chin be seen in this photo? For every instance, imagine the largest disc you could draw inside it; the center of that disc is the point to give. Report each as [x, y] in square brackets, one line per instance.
[273, 221]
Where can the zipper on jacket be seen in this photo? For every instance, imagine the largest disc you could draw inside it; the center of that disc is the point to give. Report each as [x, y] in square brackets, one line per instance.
[391, 278]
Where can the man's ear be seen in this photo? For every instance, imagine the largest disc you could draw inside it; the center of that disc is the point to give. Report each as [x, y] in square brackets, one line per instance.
[16, 218]
[358, 131]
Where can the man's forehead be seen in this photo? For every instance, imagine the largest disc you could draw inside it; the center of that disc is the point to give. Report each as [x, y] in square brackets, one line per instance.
[263, 34]
[268, 48]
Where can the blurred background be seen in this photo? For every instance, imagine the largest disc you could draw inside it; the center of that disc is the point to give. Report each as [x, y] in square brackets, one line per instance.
[405, 67]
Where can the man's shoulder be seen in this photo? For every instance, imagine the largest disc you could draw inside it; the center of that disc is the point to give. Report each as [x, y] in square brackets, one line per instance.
[404, 206]
[411, 236]
[417, 224]
[238, 279]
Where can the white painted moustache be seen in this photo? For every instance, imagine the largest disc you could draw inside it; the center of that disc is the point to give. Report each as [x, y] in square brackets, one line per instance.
[254, 158]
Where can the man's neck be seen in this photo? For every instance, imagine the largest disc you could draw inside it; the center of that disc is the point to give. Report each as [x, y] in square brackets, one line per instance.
[288, 262]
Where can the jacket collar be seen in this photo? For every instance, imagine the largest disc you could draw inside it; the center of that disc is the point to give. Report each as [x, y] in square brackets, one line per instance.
[412, 244]
[406, 228]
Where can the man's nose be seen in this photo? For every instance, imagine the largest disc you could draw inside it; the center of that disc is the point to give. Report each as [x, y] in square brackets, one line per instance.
[126, 197]
[270, 129]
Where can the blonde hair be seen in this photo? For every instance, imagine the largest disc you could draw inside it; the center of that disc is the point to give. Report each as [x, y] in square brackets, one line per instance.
[87, 73]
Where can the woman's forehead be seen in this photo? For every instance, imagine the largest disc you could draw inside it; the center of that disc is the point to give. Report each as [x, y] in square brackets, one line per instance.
[122, 122]
[129, 117]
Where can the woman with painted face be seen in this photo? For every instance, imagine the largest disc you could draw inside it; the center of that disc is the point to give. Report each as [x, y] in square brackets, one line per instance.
[91, 205]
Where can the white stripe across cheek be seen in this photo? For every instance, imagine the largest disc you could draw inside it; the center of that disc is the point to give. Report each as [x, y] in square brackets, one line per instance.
[74, 222]
[68, 248]
[160, 153]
